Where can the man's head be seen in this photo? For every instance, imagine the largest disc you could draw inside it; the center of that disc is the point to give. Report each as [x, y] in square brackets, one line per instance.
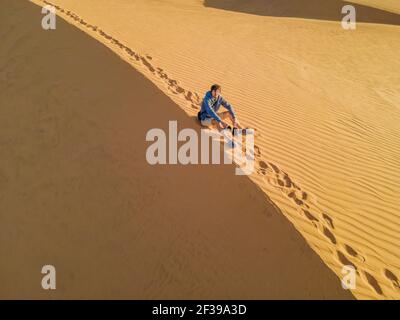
[215, 90]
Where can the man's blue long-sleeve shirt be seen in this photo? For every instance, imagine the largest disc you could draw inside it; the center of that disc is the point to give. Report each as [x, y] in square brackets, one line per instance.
[211, 105]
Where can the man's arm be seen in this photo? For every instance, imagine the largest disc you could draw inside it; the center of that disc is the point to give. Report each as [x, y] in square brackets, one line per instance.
[228, 107]
[208, 107]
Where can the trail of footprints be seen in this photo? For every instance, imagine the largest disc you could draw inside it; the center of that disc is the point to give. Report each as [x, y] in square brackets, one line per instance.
[321, 221]
[273, 174]
[172, 84]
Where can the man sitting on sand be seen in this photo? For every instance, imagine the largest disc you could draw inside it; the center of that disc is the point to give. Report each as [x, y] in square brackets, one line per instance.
[211, 103]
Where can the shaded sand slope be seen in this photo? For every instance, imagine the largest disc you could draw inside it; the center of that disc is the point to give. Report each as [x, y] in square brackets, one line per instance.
[324, 101]
[327, 10]
[76, 191]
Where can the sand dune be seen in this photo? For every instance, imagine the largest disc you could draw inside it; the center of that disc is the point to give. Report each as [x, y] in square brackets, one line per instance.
[324, 102]
[77, 192]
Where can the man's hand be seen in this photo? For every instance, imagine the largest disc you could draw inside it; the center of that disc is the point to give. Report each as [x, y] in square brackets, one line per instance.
[222, 125]
[236, 124]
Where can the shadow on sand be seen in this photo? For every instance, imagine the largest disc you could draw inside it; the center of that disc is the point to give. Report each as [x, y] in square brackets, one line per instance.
[329, 10]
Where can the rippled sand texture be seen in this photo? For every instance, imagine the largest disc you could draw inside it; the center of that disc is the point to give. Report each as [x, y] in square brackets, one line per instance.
[324, 102]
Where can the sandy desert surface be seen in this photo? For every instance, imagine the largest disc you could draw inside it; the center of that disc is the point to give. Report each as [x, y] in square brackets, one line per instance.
[76, 189]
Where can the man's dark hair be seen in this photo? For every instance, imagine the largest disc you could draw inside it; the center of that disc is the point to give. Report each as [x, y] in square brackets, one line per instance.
[215, 87]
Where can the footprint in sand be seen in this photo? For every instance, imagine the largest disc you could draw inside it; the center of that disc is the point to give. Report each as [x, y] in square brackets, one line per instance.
[189, 97]
[172, 82]
[284, 180]
[274, 167]
[373, 283]
[329, 235]
[162, 74]
[392, 278]
[147, 65]
[328, 220]
[294, 197]
[344, 261]
[310, 216]
[263, 167]
[353, 253]
[180, 90]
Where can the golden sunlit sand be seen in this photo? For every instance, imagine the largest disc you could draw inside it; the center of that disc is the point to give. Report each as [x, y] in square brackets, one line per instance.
[324, 102]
